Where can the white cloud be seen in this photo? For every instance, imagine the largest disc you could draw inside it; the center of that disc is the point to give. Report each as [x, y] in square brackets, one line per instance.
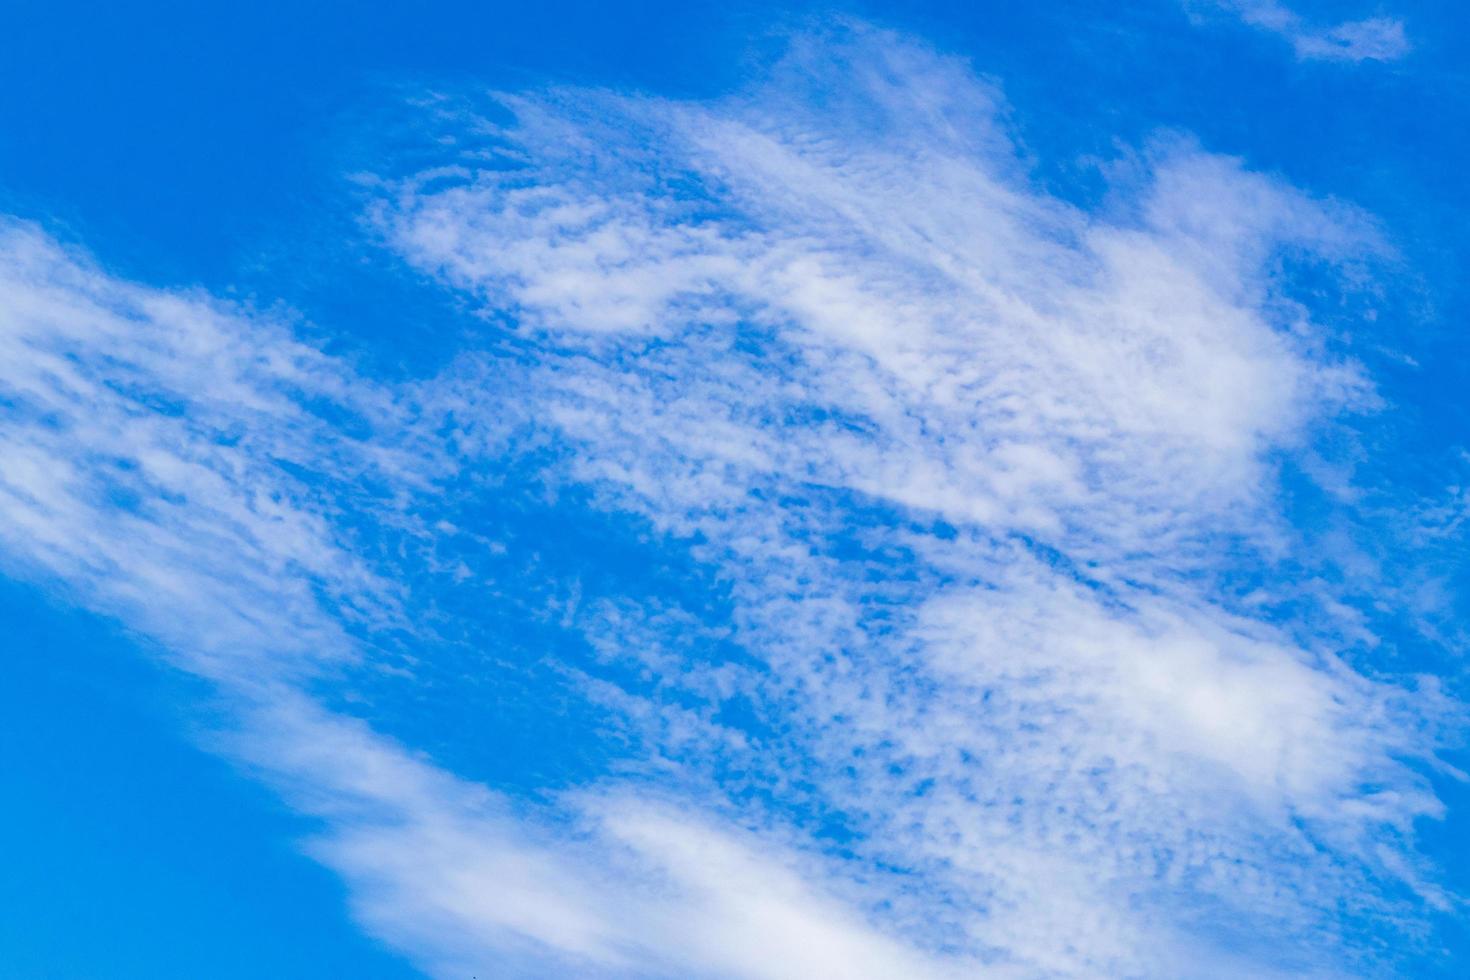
[609, 885]
[1370, 39]
[973, 464]
[184, 467]
[842, 285]
[148, 449]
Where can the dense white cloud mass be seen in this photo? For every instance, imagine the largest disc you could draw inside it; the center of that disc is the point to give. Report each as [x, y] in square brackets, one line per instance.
[1370, 39]
[973, 464]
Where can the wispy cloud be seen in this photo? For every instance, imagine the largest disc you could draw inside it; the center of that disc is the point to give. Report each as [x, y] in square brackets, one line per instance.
[605, 884]
[804, 325]
[976, 474]
[187, 468]
[1370, 39]
[150, 442]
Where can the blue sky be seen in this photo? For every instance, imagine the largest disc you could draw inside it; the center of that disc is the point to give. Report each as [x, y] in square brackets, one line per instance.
[678, 490]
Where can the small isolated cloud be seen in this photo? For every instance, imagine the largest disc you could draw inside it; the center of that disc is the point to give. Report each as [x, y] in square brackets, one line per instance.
[1370, 39]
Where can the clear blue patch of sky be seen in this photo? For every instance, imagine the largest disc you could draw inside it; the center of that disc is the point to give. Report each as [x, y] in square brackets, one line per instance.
[130, 852]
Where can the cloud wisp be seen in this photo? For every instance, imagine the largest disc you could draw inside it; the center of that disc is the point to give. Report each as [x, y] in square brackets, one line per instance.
[1370, 39]
[975, 476]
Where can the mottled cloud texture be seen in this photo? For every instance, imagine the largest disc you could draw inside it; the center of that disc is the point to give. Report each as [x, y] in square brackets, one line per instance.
[975, 474]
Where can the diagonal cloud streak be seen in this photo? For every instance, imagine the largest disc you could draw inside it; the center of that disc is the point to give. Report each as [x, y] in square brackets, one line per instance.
[184, 468]
[1369, 39]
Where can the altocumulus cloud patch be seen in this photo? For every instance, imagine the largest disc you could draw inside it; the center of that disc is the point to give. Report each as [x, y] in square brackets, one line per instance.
[968, 475]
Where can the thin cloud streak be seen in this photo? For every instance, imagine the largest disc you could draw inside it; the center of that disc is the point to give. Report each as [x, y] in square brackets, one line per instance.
[1370, 39]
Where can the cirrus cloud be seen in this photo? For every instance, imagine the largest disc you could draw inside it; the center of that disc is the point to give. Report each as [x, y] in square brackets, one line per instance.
[973, 476]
